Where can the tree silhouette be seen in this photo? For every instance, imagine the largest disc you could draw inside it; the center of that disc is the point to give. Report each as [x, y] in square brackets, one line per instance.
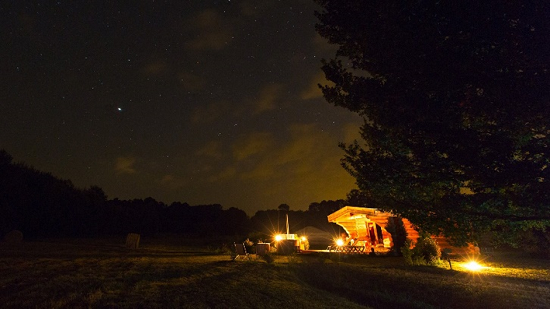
[41, 205]
[357, 198]
[284, 207]
[455, 97]
[398, 233]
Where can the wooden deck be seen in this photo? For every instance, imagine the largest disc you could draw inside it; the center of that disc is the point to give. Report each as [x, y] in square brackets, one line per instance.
[346, 250]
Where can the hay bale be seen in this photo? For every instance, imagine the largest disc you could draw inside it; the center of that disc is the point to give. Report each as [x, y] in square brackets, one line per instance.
[132, 241]
[13, 237]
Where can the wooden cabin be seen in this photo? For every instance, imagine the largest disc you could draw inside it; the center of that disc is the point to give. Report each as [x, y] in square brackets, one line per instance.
[367, 227]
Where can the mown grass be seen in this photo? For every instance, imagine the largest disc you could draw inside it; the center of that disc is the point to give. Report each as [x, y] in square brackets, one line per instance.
[102, 273]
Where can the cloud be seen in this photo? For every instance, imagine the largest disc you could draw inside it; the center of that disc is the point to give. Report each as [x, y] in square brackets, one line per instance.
[252, 144]
[304, 167]
[227, 173]
[313, 91]
[211, 113]
[303, 152]
[258, 156]
[305, 141]
[351, 132]
[211, 150]
[206, 160]
[191, 82]
[267, 98]
[167, 179]
[125, 165]
[173, 182]
[301, 164]
[155, 67]
[211, 31]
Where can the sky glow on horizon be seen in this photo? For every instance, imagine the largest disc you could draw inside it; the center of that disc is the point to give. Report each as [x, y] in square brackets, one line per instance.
[199, 102]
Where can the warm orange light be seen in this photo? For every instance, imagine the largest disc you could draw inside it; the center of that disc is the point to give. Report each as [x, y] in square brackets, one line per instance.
[278, 237]
[473, 266]
[303, 238]
[339, 242]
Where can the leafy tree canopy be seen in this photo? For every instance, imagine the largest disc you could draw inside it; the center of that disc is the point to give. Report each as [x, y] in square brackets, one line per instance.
[455, 97]
[284, 207]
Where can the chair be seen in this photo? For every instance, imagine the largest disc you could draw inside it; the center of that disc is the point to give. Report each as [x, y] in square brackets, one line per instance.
[240, 250]
[361, 245]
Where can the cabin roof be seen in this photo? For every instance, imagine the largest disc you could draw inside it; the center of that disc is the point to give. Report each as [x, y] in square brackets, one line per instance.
[350, 215]
[353, 219]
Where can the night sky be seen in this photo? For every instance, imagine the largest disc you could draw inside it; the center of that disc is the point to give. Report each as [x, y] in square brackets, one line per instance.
[193, 101]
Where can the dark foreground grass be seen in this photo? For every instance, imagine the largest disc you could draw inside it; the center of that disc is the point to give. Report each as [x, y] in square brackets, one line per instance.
[103, 274]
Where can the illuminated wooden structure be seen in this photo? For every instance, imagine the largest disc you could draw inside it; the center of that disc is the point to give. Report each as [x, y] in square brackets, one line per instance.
[367, 227]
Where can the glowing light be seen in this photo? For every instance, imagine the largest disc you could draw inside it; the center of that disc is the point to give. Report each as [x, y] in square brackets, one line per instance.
[339, 242]
[303, 238]
[473, 266]
[278, 237]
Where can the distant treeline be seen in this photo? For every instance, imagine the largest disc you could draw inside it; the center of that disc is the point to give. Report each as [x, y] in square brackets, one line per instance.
[42, 205]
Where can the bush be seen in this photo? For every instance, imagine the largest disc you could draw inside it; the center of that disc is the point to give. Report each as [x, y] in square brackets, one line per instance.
[407, 252]
[427, 249]
[536, 242]
[258, 237]
[425, 252]
[223, 249]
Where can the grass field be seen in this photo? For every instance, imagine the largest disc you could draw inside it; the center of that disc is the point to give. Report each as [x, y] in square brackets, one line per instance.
[101, 273]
